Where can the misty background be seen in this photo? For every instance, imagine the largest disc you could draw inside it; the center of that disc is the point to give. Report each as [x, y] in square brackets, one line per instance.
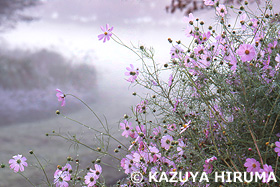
[53, 44]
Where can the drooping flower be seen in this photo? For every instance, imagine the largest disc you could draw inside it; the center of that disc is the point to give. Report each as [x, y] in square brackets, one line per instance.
[107, 33]
[246, 52]
[133, 73]
[221, 10]
[277, 148]
[208, 167]
[252, 165]
[61, 96]
[17, 163]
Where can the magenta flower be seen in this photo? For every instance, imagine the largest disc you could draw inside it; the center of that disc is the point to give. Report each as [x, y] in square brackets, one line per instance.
[246, 52]
[61, 96]
[252, 165]
[107, 33]
[267, 169]
[166, 141]
[133, 73]
[61, 177]
[17, 163]
[277, 148]
[221, 10]
[208, 168]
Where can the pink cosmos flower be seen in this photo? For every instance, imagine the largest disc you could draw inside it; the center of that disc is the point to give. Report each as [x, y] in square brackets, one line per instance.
[210, 2]
[17, 163]
[107, 33]
[166, 141]
[157, 130]
[242, 21]
[189, 19]
[141, 106]
[93, 175]
[61, 178]
[267, 169]
[133, 73]
[154, 153]
[127, 127]
[277, 148]
[171, 127]
[247, 52]
[221, 10]
[208, 168]
[61, 96]
[176, 52]
[252, 165]
[90, 179]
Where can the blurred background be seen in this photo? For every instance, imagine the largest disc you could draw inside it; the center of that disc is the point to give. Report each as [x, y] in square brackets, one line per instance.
[50, 44]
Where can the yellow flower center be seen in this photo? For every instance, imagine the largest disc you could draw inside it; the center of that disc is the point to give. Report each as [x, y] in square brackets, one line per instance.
[247, 52]
[105, 33]
[254, 165]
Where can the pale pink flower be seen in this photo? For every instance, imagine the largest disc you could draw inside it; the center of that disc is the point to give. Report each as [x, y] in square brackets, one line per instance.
[133, 73]
[17, 163]
[127, 127]
[93, 175]
[210, 2]
[90, 179]
[246, 52]
[61, 178]
[166, 141]
[176, 52]
[189, 18]
[107, 33]
[61, 96]
[242, 18]
[221, 10]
